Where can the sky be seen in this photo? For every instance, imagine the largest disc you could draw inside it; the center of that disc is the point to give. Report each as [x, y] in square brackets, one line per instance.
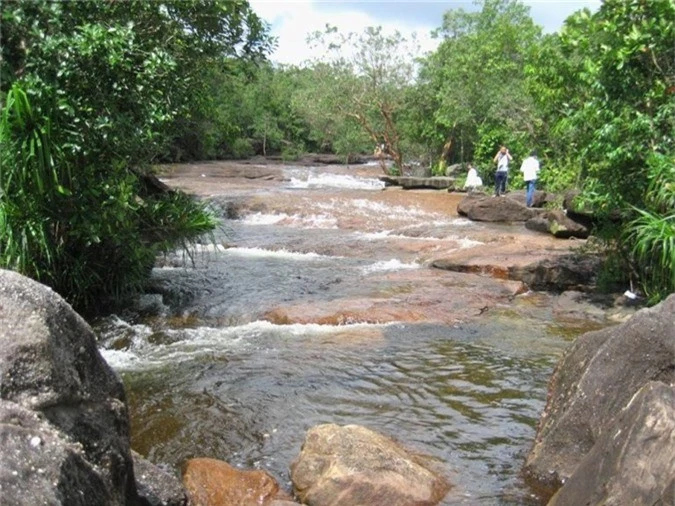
[292, 20]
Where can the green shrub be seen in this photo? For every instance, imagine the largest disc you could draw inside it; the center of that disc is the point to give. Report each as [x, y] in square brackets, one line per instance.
[242, 148]
[93, 238]
[650, 237]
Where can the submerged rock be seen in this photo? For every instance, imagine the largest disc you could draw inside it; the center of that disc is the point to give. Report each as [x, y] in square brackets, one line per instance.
[352, 465]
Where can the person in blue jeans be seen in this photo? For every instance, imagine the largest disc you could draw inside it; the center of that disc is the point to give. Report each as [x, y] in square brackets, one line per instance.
[530, 170]
[503, 157]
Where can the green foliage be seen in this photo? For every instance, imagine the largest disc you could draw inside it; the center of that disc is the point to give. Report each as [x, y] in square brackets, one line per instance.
[92, 239]
[618, 63]
[242, 148]
[476, 80]
[29, 182]
[605, 85]
[651, 235]
[116, 76]
[92, 95]
[365, 87]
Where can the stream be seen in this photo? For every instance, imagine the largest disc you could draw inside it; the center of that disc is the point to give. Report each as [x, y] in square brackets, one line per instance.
[308, 306]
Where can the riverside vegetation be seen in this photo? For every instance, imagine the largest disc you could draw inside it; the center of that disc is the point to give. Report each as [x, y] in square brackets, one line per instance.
[94, 93]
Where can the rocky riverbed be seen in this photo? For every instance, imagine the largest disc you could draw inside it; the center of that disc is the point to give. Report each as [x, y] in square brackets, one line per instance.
[326, 306]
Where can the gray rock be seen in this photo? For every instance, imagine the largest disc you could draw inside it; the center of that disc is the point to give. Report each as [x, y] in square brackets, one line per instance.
[455, 170]
[631, 462]
[49, 363]
[564, 226]
[538, 224]
[593, 383]
[564, 272]
[42, 466]
[540, 197]
[560, 224]
[157, 486]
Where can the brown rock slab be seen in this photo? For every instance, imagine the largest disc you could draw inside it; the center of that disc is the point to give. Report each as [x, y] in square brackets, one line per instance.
[352, 465]
[211, 482]
[404, 296]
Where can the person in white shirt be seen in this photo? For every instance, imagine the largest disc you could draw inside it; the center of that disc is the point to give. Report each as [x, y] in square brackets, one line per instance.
[502, 158]
[473, 180]
[530, 170]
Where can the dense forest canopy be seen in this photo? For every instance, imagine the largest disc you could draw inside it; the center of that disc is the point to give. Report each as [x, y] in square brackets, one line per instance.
[94, 93]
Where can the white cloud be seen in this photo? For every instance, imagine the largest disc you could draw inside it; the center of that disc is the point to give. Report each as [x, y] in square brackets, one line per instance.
[293, 21]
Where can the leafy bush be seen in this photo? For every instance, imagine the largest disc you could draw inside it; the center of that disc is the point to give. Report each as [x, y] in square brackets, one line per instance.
[93, 238]
[650, 237]
[242, 148]
[93, 93]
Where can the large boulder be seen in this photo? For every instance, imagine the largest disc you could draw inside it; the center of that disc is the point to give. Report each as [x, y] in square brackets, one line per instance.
[633, 461]
[64, 425]
[560, 224]
[563, 226]
[494, 209]
[591, 387]
[538, 224]
[352, 465]
[49, 363]
[42, 466]
[540, 197]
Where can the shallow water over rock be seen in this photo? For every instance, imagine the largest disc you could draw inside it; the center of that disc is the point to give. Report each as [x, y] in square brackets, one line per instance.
[317, 304]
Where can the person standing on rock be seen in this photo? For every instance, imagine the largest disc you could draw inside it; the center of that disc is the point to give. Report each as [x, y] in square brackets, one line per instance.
[502, 158]
[530, 169]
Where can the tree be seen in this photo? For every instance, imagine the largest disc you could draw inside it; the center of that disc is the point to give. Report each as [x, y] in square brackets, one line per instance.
[363, 82]
[477, 80]
[611, 99]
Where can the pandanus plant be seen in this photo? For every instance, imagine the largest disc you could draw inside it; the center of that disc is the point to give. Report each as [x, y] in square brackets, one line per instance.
[651, 236]
[31, 184]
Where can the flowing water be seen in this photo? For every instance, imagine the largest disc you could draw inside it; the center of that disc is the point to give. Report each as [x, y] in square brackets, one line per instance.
[207, 374]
